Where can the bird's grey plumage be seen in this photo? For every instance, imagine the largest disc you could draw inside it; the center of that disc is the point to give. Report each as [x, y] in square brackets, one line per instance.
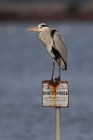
[61, 47]
[54, 44]
[53, 41]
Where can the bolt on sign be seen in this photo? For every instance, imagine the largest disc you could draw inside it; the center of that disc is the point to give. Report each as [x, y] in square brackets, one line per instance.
[55, 94]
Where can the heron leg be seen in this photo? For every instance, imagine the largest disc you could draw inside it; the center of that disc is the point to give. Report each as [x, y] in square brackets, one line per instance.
[59, 74]
[53, 67]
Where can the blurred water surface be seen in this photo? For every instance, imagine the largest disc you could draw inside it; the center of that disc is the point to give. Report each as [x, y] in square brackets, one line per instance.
[24, 63]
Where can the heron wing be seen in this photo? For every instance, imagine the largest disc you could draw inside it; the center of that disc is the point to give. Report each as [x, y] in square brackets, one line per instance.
[60, 46]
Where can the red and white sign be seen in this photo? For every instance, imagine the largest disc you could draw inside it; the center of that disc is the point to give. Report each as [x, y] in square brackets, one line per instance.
[55, 94]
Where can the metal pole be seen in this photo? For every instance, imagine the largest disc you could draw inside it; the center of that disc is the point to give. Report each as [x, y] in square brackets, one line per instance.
[57, 111]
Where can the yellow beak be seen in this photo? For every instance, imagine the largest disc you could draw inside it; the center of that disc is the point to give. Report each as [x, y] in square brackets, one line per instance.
[33, 29]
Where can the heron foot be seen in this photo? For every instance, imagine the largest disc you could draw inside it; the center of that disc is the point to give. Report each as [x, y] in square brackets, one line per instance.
[52, 81]
[57, 79]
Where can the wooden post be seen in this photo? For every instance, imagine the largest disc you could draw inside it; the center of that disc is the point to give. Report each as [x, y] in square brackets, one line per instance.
[57, 113]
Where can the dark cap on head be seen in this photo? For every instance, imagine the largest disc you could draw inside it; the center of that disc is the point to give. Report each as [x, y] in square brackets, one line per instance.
[42, 25]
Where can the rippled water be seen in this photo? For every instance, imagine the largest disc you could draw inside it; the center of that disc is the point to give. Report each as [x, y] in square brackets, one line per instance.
[24, 63]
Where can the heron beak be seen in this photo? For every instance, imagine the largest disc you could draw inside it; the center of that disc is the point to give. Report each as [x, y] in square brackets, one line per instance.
[33, 29]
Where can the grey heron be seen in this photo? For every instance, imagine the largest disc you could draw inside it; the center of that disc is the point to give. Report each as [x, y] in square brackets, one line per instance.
[55, 46]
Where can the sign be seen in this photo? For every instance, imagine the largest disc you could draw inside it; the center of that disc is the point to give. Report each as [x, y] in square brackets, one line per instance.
[55, 94]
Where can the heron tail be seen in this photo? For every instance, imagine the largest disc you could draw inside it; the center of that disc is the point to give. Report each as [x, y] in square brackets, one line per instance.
[62, 64]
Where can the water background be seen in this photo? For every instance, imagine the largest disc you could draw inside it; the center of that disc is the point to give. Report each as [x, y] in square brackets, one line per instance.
[24, 63]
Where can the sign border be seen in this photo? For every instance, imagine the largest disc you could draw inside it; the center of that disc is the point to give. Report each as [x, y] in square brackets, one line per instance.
[54, 83]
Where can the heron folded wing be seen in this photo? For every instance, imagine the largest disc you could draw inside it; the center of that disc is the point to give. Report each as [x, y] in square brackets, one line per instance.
[60, 46]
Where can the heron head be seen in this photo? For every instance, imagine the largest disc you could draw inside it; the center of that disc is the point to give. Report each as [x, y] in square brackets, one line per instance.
[41, 27]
